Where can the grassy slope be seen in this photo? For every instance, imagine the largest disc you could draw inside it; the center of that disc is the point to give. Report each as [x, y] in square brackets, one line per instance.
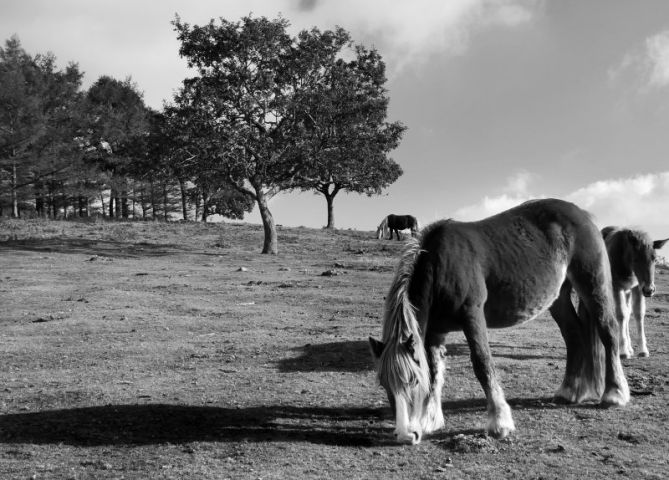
[141, 350]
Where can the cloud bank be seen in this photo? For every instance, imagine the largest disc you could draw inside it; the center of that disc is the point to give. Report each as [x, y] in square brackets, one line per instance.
[409, 32]
[640, 201]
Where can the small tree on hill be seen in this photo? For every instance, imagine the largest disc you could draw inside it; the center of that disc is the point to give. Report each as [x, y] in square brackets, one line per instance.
[347, 138]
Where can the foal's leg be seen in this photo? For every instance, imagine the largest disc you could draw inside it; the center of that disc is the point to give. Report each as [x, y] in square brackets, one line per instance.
[639, 310]
[500, 422]
[623, 311]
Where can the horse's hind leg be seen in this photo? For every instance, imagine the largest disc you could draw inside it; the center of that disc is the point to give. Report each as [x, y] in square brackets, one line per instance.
[596, 309]
[582, 381]
[639, 310]
[500, 422]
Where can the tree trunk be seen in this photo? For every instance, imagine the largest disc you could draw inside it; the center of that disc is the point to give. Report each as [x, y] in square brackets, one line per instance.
[270, 244]
[184, 204]
[153, 201]
[205, 204]
[39, 200]
[124, 204]
[112, 196]
[330, 201]
[166, 200]
[329, 198]
[15, 197]
[197, 205]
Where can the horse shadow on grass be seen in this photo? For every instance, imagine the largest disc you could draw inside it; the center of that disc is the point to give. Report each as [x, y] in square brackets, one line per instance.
[355, 356]
[345, 356]
[136, 425]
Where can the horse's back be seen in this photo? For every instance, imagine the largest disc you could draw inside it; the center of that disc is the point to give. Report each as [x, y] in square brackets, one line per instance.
[401, 222]
[514, 262]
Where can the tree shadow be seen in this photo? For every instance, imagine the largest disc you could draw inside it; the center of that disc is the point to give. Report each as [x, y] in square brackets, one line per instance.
[103, 248]
[346, 356]
[133, 425]
[161, 423]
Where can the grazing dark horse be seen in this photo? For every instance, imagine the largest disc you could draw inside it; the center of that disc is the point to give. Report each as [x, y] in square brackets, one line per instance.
[395, 223]
[495, 273]
[632, 257]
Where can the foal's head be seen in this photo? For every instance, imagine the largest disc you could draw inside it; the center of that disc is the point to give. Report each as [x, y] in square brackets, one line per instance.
[403, 373]
[643, 255]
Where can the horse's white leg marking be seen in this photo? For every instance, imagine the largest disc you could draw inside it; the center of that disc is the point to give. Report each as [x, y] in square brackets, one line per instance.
[623, 311]
[639, 311]
[620, 395]
[500, 422]
[434, 417]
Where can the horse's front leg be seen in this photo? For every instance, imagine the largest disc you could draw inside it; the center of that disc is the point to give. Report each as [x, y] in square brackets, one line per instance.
[623, 311]
[500, 422]
[436, 357]
[639, 311]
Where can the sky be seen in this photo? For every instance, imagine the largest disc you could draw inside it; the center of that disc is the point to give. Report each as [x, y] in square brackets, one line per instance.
[504, 100]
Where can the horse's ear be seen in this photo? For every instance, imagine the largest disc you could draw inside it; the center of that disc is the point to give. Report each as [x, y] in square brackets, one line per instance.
[410, 345]
[657, 244]
[376, 347]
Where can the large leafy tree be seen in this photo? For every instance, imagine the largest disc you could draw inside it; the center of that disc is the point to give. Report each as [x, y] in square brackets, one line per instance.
[347, 137]
[249, 97]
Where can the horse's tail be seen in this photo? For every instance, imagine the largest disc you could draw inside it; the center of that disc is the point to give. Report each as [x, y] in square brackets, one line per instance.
[401, 330]
[585, 370]
[593, 369]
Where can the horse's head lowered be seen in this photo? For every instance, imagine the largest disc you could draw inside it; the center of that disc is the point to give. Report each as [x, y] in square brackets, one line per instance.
[403, 373]
[643, 258]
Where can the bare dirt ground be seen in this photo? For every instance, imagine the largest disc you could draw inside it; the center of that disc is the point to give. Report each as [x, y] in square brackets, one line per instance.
[177, 351]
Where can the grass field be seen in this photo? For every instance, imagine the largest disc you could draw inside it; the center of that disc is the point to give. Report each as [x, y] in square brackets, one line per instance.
[177, 351]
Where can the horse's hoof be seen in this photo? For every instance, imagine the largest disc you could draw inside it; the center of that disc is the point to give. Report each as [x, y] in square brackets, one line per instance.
[614, 398]
[644, 354]
[626, 355]
[501, 432]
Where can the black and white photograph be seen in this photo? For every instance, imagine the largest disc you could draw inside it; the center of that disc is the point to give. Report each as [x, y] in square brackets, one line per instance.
[334, 239]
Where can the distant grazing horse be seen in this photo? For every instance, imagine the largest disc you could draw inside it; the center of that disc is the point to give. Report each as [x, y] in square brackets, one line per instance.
[395, 223]
[494, 273]
[632, 256]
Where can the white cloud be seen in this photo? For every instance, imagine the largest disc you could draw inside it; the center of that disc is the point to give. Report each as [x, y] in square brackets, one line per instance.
[646, 67]
[410, 32]
[657, 52]
[515, 192]
[641, 201]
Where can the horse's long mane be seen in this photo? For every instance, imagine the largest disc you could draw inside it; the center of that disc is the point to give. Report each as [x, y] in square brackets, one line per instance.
[403, 366]
[382, 229]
